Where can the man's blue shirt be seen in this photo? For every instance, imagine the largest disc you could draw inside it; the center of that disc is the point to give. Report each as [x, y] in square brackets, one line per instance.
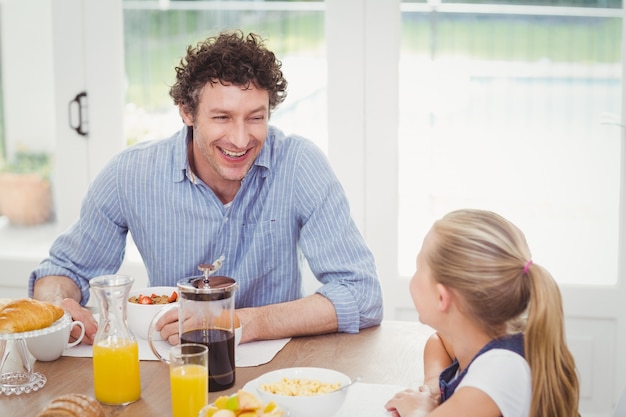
[290, 204]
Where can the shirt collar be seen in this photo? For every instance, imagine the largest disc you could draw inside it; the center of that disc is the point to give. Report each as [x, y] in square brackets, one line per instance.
[181, 162]
[264, 159]
[180, 165]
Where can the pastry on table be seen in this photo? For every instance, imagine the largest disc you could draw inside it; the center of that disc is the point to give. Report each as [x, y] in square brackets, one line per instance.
[27, 314]
[73, 405]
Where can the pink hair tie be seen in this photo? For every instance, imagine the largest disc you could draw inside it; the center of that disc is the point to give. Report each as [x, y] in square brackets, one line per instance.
[527, 265]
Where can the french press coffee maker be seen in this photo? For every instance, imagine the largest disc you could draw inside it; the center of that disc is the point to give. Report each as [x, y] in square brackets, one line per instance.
[206, 315]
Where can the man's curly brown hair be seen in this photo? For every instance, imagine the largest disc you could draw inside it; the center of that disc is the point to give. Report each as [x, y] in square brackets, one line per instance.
[229, 58]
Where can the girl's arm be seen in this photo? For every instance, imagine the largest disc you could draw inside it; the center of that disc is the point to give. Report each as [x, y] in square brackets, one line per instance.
[438, 355]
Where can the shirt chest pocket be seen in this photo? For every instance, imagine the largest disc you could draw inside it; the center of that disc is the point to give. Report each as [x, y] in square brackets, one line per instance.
[259, 230]
[259, 242]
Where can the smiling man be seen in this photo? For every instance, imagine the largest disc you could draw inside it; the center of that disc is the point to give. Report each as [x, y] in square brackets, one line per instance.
[226, 184]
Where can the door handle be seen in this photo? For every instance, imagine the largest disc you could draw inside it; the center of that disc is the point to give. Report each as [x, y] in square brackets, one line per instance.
[80, 103]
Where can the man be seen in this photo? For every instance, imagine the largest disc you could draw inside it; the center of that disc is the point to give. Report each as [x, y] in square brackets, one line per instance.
[226, 184]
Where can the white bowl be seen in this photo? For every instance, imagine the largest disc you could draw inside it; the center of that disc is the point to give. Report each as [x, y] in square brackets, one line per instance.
[305, 406]
[140, 315]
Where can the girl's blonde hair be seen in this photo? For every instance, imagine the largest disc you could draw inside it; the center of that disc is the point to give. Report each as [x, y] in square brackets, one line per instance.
[485, 259]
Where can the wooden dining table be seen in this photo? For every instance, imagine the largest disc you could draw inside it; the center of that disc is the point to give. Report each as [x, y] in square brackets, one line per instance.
[391, 353]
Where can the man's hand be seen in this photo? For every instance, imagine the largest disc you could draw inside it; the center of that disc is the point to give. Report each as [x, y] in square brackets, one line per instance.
[83, 314]
[64, 292]
[167, 325]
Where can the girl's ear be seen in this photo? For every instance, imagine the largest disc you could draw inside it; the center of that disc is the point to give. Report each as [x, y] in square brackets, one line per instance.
[445, 298]
[187, 117]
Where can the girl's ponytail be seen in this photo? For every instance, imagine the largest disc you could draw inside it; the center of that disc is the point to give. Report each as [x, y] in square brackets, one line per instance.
[555, 384]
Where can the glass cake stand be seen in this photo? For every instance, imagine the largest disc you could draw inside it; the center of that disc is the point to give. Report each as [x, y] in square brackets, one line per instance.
[25, 380]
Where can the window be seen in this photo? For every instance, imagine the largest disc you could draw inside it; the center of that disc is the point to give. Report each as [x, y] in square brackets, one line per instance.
[512, 108]
[156, 37]
[26, 148]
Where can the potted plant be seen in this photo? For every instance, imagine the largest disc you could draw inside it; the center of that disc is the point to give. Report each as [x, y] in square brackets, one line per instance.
[25, 190]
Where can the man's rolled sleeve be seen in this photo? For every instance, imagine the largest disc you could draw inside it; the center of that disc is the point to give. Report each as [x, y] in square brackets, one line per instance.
[47, 268]
[353, 315]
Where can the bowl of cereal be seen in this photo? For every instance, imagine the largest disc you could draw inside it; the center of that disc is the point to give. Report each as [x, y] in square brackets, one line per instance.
[143, 304]
[304, 392]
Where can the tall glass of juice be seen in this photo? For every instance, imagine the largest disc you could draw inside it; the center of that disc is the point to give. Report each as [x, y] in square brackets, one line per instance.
[189, 381]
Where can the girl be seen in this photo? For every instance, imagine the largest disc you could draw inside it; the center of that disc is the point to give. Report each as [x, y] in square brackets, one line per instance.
[500, 314]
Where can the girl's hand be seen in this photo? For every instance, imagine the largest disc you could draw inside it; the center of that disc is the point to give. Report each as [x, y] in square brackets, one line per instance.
[412, 403]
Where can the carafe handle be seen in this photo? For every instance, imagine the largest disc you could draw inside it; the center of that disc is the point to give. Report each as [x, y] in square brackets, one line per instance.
[152, 328]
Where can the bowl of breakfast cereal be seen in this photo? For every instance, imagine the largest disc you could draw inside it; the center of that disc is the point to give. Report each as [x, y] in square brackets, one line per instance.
[143, 304]
[305, 391]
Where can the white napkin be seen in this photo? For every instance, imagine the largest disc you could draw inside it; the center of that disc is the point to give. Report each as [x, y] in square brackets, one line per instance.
[258, 353]
[367, 400]
[247, 354]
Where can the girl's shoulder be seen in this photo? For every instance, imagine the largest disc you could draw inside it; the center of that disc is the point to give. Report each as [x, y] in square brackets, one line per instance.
[505, 377]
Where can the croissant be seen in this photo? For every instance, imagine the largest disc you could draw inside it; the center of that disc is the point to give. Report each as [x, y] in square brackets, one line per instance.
[26, 314]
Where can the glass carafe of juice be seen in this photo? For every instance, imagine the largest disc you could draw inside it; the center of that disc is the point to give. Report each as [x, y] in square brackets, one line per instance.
[116, 377]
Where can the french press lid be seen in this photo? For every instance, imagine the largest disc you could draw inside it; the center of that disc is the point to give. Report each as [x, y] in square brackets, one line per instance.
[211, 288]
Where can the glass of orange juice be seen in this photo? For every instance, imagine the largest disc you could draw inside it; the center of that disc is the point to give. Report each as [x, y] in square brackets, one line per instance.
[116, 371]
[189, 378]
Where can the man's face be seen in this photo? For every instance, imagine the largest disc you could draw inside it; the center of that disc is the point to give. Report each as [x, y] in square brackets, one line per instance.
[229, 131]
